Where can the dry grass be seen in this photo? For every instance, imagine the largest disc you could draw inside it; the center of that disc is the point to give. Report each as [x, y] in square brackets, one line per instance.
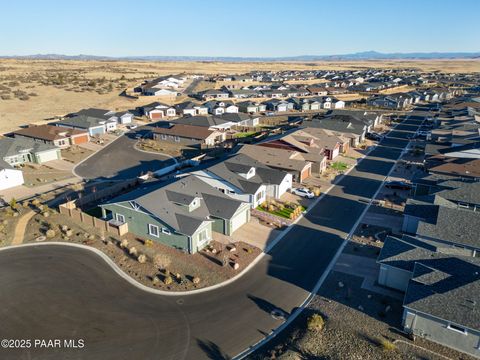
[52, 88]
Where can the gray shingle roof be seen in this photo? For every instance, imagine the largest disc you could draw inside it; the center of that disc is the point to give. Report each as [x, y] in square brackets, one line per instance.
[447, 288]
[12, 147]
[168, 202]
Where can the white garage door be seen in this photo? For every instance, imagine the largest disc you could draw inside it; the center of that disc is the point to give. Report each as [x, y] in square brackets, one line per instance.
[238, 220]
[47, 156]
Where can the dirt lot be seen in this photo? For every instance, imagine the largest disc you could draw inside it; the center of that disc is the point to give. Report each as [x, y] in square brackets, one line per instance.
[75, 154]
[43, 89]
[35, 175]
[165, 268]
[8, 221]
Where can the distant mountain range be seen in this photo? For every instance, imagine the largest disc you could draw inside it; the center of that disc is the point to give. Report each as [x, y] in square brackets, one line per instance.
[366, 55]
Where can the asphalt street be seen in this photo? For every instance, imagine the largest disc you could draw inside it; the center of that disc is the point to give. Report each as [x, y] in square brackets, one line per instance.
[57, 292]
[120, 160]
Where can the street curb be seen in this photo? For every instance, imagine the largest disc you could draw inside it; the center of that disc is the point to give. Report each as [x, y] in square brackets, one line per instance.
[156, 153]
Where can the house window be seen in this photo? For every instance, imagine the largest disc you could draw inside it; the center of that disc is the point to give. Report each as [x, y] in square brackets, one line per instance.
[120, 218]
[153, 230]
[457, 329]
[177, 139]
[202, 237]
[166, 231]
[164, 137]
[259, 196]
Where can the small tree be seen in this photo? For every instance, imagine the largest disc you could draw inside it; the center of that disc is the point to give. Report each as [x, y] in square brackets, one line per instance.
[13, 204]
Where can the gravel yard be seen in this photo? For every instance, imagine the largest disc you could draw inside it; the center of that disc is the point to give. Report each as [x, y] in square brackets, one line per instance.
[359, 325]
[164, 268]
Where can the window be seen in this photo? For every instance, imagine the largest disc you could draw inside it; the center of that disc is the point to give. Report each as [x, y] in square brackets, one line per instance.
[457, 328]
[202, 237]
[164, 137]
[259, 196]
[120, 218]
[166, 231]
[177, 139]
[153, 230]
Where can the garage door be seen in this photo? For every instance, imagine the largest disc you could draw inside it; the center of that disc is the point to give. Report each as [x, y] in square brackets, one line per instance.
[155, 115]
[305, 173]
[81, 139]
[238, 220]
[47, 156]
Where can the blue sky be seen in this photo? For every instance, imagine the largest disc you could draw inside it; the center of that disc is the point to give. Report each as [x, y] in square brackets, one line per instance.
[237, 27]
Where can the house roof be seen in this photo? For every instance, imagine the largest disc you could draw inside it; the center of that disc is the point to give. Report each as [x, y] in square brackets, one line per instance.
[231, 168]
[212, 120]
[447, 288]
[458, 226]
[185, 131]
[460, 191]
[454, 166]
[11, 147]
[83, 121]
[273, 157]
[48, 132]
[168, 201]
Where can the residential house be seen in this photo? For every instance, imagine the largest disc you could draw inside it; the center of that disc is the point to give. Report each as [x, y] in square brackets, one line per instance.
[221, 107]
[290, 161]
[220, 122]
[441, 287]
[157, 110]
[188, 135]
[251, 107]
[9, 176]
[21, 150]
[190, 108]
[213, 95]
[182, 213]
[54, 135]
[279, 105]
[124, 117]
[243, 178]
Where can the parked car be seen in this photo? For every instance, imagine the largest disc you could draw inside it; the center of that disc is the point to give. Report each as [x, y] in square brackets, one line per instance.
[398, 185]
[303, 192]
[133, 126]
[374, 136]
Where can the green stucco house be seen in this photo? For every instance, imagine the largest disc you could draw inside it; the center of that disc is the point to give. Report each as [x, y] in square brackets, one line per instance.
[181, 213]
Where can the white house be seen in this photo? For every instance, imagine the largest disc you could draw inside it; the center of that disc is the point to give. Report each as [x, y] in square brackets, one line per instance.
[9, 176]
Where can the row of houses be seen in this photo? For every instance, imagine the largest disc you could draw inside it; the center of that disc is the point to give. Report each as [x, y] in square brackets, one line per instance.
[186, 211]
[435, 262]
[158, 110]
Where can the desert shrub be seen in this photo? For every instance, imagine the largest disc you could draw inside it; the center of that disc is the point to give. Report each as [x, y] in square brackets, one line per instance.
[148, 242]
[386, 345]
[133, 251]
[124, 243]
[315, 322]
[161, 261]
[142, 258]
[50, 233]
[168, 280]
[196, 280]
[5, 97]
[13, 204]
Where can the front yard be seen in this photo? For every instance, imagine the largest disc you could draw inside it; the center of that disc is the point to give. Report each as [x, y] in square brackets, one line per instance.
[35, 174]
[148, 262]
[339, 166]
[284, 210]
[75, 154]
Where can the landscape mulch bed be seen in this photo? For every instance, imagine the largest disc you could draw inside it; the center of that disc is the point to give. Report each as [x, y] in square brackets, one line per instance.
[211, 266]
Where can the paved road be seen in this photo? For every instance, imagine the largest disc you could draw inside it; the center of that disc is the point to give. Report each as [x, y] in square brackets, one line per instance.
[120, 160]
[57, 292]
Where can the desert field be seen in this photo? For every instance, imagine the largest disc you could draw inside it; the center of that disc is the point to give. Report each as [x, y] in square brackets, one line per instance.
[37, 91]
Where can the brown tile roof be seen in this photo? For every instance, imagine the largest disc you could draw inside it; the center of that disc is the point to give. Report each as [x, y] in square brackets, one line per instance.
[454, 166]
[49, 132]
[186, 131]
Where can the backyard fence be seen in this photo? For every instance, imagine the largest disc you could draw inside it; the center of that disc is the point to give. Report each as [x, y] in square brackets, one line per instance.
[69, 209]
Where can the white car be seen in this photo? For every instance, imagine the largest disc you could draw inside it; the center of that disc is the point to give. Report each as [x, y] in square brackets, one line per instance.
[303, 192]
[133, 126]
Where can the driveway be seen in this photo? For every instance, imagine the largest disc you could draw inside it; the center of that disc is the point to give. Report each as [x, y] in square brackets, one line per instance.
[60, 292]
[119, 160]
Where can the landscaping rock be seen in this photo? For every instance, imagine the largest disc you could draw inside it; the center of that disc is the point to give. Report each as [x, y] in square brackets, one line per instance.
[196, 280]
[236, 266]
[142, 258]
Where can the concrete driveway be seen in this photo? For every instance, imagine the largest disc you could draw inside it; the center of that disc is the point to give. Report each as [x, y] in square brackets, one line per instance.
[60, 165]
[120, 160]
